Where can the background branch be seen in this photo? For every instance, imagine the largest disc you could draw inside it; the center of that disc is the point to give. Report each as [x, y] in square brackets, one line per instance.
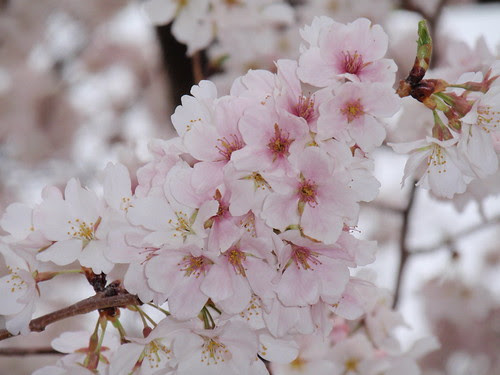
[432, 21]
[454, 237]
[27, 351]
[403, 249]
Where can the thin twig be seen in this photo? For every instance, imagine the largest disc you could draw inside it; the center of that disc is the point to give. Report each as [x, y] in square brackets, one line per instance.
[97, 302]
[453, 238]
[403, 249]
[27, 351]
[384, 206]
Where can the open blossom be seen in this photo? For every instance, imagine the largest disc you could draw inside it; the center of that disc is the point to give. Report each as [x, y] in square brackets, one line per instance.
[226, 350]
[18, 290]
[150, 354]
[215, 143]
[317, 199]
[354, 51]
[310, 271]
[170, 224]
[196, 109]
[313, 358]
[356, 112]
[72, 224]
[246, 268]
[270, 135]
[480, 125]
[178, 274]
[291, 97]
[436, 166]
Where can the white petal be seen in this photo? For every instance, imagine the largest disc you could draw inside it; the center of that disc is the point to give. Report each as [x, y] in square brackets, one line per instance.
[62, 252]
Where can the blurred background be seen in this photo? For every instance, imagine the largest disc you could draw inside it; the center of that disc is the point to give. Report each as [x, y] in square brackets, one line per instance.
[83, 83]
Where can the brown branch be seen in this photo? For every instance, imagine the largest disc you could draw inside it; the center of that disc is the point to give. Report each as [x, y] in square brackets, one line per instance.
[403, 249]
[454, 237]
[97, 302]
[27, 351]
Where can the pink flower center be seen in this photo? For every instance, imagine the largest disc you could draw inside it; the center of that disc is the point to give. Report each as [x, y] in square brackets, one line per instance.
[305, 108]
[352, 63]
[227, 147]
[235, 257]
[279, 143]
[307, 192]
[195, 265]
[304, 258]
[352, 110]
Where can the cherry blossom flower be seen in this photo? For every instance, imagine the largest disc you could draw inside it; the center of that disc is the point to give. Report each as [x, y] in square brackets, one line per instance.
[313, 358]
[244, 269]
[216, 142]
[19, 292]
[150, 354]
[479, 125]
[354, 51]
[355, 355]
[196, 109]
[355, 112]
[318, 199]
[290, 97]
[229, 349]
[269, 136]
[178, 274]
[436, 164]
[170, 224]
[310, 271]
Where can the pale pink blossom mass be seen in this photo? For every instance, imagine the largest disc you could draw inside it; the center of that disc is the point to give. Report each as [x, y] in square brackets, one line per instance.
[241, 232]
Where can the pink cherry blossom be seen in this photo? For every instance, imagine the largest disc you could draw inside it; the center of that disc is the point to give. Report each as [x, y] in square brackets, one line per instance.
[317, 199]
[246, 268]
[310, 271]
[225, 350]
[290, 96]
[356, 112]
[269, 136]
[178, 275]
[354, 51]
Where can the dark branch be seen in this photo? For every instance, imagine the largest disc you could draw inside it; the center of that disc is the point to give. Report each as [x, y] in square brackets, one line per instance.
[27, 351]
[180, 68]
[97, 302]
[403, 249]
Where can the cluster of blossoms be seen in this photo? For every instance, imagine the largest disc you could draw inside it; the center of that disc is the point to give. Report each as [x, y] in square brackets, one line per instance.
[464, 143]
[242, 224]
[237, 35]
[466, 324]
[196, 23]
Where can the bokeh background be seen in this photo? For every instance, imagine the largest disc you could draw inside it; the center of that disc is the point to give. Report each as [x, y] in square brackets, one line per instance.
[83, 83]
